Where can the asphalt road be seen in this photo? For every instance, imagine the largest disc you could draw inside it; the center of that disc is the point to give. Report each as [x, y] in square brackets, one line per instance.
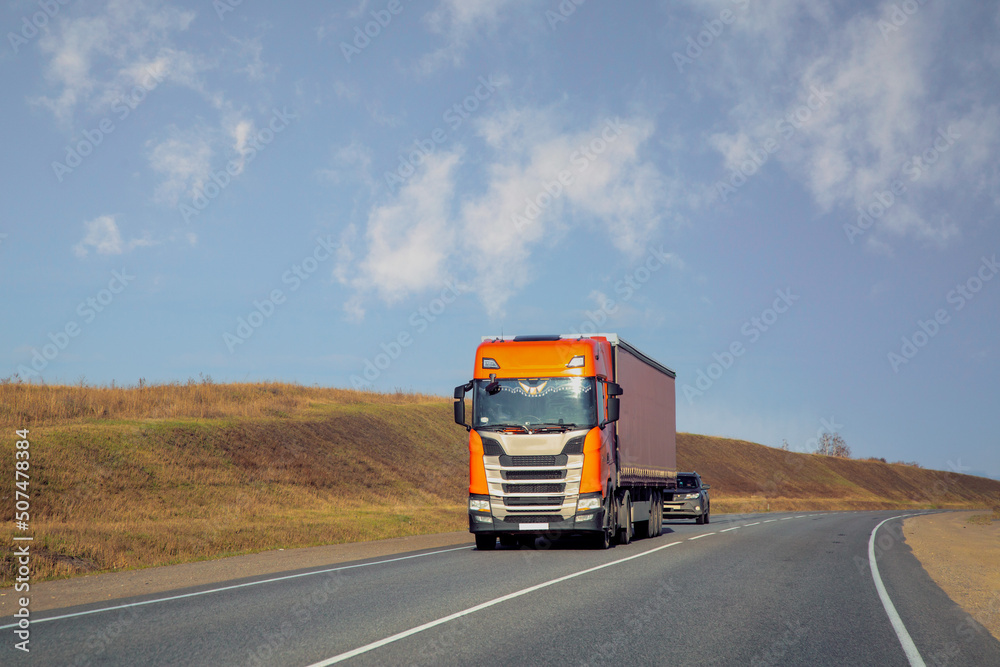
[775, 589]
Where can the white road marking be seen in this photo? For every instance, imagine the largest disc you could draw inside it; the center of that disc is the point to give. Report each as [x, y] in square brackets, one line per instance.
[786, 518]
[229, 588]
[698, 537]
[755, 523]
[909, 648]
[770, 521]
[729, 529]
[471, 610]
[801, 516]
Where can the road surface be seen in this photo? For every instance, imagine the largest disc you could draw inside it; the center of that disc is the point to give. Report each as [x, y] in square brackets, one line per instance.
[767, 589]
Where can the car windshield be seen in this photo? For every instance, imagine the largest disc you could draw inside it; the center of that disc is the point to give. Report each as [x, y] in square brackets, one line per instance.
[556, 403]
[687, 482]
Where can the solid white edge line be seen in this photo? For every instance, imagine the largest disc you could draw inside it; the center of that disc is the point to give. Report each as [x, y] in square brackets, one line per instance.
[465, 612]
[909, 648]
[229, 588]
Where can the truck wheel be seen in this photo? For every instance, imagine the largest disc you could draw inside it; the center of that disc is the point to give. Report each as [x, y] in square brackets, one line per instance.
[508, 541]
[486, 541]
[601, 540]
[625, 529]
[657, 514]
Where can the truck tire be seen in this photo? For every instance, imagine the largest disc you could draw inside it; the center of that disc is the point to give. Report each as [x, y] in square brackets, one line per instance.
[486, 541]
[601, 540]
[508, 541]
[657, 514]
[625, 529]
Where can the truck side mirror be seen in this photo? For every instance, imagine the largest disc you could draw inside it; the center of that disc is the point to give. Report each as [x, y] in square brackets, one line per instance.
[460, 404]
[614, 389]
[614, 406]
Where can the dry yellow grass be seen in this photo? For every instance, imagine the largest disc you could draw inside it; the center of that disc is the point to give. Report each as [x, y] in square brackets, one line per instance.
[961, 557]
[25, 405]
[747, 477]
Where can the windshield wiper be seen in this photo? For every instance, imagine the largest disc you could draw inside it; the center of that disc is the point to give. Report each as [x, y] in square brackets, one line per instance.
[546, 426]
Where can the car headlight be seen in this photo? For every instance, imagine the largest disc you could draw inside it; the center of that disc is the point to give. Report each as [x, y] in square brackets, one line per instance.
[588, 503]
[479, 505]
[690, 496]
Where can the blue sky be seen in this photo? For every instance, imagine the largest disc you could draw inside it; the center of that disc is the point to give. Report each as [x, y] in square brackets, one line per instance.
[767, 197]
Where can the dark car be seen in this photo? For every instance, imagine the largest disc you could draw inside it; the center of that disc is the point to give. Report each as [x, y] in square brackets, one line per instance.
[689, 501]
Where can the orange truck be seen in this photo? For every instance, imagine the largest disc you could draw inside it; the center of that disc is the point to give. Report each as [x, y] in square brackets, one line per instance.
[569, 435]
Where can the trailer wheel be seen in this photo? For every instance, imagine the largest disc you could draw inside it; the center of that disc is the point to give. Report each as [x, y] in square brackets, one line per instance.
[486, 541]
[657, 514]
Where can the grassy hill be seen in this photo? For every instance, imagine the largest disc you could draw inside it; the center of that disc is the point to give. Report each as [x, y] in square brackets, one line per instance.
[133, 477]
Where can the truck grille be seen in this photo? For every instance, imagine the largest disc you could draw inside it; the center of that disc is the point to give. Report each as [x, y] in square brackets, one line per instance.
[532, 474]
[524, 461]
[534, 488]
[514, 501]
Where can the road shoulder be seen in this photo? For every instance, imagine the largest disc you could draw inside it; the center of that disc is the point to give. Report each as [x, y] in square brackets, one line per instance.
[961, 557]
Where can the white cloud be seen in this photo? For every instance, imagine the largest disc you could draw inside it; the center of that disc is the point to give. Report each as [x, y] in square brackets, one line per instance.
[96, 59]
[540, 181]
[103, 237]
[459, 21]
[409, 240]
[184, 160]
[887, 102]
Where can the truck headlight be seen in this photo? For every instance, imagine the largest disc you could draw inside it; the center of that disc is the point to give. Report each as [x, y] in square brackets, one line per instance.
[479, 505]
[588, 503]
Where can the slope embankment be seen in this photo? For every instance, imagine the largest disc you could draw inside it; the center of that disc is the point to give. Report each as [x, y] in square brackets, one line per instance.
[134, 477]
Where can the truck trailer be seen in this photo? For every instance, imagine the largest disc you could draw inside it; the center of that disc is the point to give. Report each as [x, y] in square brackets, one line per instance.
[569, 435]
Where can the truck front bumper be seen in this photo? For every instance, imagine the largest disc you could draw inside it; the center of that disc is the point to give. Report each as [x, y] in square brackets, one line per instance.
[585, 522]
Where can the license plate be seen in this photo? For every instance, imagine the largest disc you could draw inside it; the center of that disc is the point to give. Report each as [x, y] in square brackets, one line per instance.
[533, 526]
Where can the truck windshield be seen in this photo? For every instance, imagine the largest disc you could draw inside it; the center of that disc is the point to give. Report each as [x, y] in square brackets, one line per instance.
[557, 403]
